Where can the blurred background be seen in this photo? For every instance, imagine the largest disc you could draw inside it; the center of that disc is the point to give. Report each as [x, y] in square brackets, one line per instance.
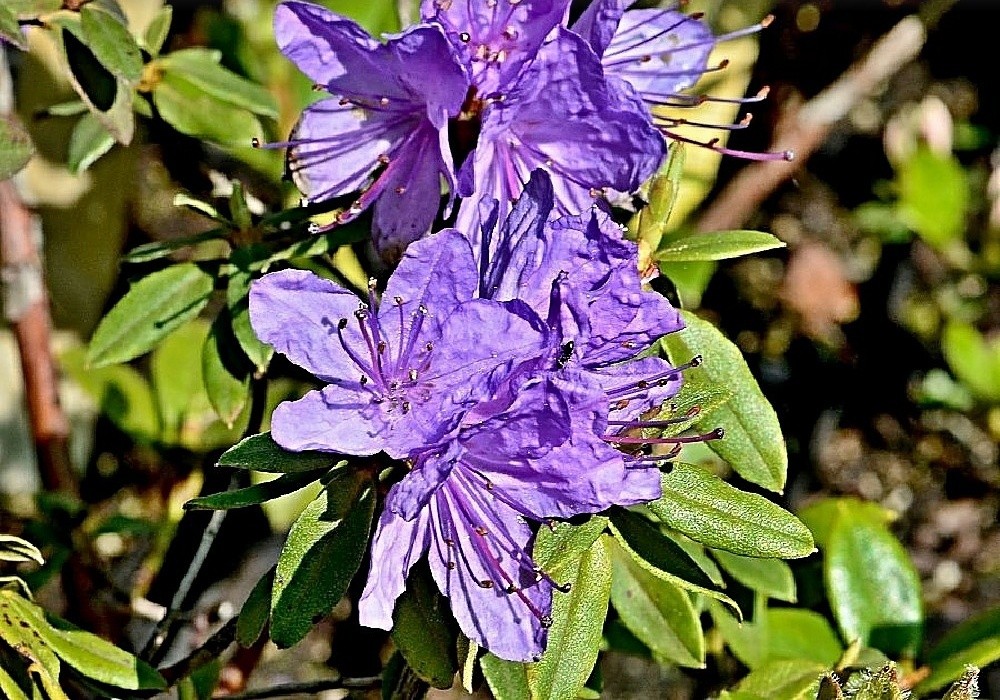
[876, 333]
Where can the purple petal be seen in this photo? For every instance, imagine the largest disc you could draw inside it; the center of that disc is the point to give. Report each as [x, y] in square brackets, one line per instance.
[297, 312]
[659, 52]
[597, 23]
[410, 495]
[324, 45]
[478, 550]
[544, 455]
[563, 116]
[438, 272]
[338, 418]
[495, 39]
[397, 546]
[640, 486]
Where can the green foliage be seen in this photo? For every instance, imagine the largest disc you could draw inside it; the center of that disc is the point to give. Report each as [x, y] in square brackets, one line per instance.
[933, 196]
[10, 31]
[874, 590]
[153, 307]
[753, 443]
[974, 359]
[16, 148]
[975, 641]
[256, 611]
[424, 630]
[256, 494]
[262, 454]
[44, 643]
[321, 555]
[710, 511]
[89, 141]
[718, 245]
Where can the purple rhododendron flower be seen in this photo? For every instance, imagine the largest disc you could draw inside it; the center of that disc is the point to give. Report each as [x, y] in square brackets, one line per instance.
[662, 53]
[387, 116]
[514, 90]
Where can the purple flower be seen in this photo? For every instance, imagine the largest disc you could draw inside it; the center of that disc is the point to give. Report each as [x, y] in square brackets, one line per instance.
[384, 129]
[662, 53]
[399, 374]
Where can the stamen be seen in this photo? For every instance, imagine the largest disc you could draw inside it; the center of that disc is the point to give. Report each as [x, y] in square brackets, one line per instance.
[745, 155]
[716, 434]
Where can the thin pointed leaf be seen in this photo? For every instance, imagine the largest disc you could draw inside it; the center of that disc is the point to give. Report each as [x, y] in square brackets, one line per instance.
[256, 494]
[262, 454]
[15, 549]
[256, 611]
[89, 141]
[425, 631]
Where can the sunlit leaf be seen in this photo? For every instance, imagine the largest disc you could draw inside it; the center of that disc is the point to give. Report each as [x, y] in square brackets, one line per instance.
[425, 631]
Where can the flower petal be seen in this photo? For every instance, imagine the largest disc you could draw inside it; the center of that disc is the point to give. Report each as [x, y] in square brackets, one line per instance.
[544, 454]
[598, 22]
[338, 418]
[397, 546]
[324, 45]
[297, 312]
[479, 547]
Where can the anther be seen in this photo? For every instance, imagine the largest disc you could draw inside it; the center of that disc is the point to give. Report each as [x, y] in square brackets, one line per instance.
[381, 347]
[398, 301]
[564, 587]
[485, 583]
[451, 566]
[465, 37]
[363, 380]
[422, 309]
[406, 407]
[383, 159]
[413, 375]
[545, 621]
[400, 190]
[255, 142]
[429, 347]
[314, 227]
[342, 324]
[372, 284]
[481, 531]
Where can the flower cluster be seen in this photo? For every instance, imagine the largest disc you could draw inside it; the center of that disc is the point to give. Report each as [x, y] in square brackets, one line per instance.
[503, 370]
[480, 94]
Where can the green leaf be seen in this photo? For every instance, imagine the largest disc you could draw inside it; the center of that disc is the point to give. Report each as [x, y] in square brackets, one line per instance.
[226, 372]
[649, 225]
[192, 111]
[10, 30]
[89, 654]
[153, 308]
[424, 629]
[690, 278]
[158, 30]
[10, 688]
[821, 516]
[200, 68]
[718, 245]
[89, 141]
[661, 557]
[111, 42]
[882, 685]
[108, 96]
[933, 196]
[176, 373]
[781, 680]
[262, 454]
[15, 549]
[255, 612]
[973, 359]
[253, 495]
[161, 249]
[16, 148]
[967, 687]
[564, 543]
[238, 297]
[575, 635]
[772, 577]
[658, 613]
[801, 634]
[320, 557]
[577, 619]
[753, 443]
[874, 590]
[710, 511]
[975, 641]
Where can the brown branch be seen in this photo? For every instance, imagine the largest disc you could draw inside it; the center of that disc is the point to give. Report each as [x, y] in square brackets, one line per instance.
[805, 130]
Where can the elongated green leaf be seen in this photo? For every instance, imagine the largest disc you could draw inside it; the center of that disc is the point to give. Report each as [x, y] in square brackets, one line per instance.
[225, 371]
[823, 515]
[662, 557]
[15, 549]
[658, 613]
[10, 688]
[793, 633]
[176, 372]
[201, 68]
[192, 111]
[153, 308]
[781, 680]
[16, 148]
[753, 443]
[237, 298]
[507, 680]
[575, 635]
[262, 454]
[772, 577]
[650, 223]
[320, 557]
[425, 631]
[933, 196]
[111, 42]
[255, 612]
[976, 641]
[89, 141]
[252, 495]
[974, 361]
[89, 654]
[564, 544]
[10, 30]
[710, 511]
[18, 617]
[719, 245]
[873, 588]
[157, 31]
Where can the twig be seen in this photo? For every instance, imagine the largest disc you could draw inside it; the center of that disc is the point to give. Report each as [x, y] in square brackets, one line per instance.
[290, 689]
[805, 130]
